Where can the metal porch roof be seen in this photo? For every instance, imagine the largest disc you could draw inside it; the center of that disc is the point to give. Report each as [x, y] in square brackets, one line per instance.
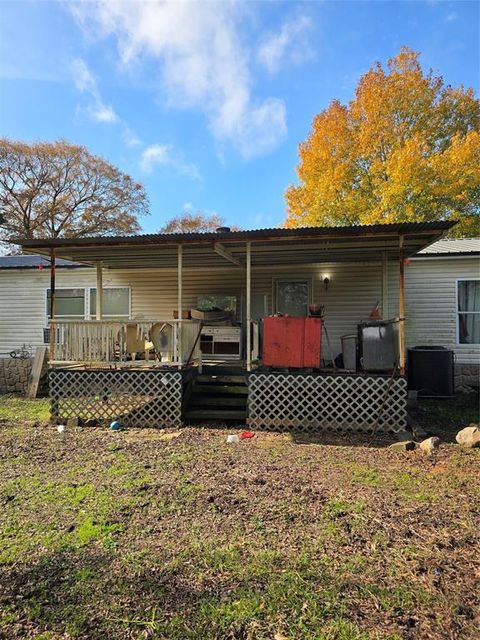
[452, 247]
[269, 246]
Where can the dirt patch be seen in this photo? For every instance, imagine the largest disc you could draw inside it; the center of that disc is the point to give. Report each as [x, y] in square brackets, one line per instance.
[177, 534]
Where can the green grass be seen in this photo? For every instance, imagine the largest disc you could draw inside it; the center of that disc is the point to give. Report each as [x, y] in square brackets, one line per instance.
[113, 537]
[14, 408]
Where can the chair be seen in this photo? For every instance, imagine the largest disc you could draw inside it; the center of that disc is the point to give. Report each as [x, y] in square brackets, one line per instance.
[137, 344]
[161, 336]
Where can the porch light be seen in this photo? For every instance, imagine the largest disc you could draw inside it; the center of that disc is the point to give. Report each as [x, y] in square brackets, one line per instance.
[326, 282]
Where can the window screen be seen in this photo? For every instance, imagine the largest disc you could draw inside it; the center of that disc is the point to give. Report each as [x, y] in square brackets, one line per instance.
[116, 302]
[293, 297]
[468, 307]
[213, 302]
[69, 303]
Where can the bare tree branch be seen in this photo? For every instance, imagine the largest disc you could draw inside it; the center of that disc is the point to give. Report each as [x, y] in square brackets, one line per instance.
[61, 190]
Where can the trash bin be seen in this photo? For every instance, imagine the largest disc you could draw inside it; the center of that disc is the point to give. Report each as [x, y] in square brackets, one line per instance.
[350, 351]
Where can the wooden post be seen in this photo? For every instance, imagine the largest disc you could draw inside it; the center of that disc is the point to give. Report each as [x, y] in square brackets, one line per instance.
[249, 306]
[384, 285]
[37, 368]
[180, 302]
[401, 308]
[52, 305]
[99, 306]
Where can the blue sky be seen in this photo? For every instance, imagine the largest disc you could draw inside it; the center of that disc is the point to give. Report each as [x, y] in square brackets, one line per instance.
[205, 103]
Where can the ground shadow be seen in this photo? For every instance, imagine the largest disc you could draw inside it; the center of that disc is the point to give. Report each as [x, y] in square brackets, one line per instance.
[82, 594]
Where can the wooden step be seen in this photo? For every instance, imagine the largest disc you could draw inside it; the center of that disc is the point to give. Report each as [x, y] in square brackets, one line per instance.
[215, 414]
[219, 389]
[222, 401]
[211, 379]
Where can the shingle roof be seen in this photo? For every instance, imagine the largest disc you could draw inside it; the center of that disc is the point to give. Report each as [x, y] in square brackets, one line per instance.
[33, 262]
[454, 246]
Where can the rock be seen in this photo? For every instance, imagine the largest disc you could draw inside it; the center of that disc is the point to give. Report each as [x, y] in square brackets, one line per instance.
[406, 445]
[430, 444]
[72, 422]
[469, 437]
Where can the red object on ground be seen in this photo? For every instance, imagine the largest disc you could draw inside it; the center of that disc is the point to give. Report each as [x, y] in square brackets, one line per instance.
[290, 341]
[247, 434]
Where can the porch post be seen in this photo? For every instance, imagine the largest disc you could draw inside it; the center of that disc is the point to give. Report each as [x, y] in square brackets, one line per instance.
[384, 285]
[52, 304]
[401, 308]
[99, 311]
[179, 305]
[248, 309]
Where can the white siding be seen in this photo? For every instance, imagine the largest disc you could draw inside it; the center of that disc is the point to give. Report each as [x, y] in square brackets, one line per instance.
[353, 290]
[431, 304]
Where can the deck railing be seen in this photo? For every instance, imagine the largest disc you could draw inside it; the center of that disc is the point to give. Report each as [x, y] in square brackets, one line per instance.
[118, 341]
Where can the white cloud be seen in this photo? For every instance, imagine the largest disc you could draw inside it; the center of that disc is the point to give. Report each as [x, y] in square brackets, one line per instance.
[86, 83]
[165, 155]
[130, 138]
[103, 113]
[203, 63]
[156, 154]
[451, 17]
[288, 45]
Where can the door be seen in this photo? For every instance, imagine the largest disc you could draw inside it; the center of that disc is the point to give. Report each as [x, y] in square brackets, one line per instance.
[292, 297]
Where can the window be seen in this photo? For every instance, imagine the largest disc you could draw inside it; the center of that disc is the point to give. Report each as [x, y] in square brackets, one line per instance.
[69, 304]
[214, 302]
[292, 297]
[116, 303]
[468, 309]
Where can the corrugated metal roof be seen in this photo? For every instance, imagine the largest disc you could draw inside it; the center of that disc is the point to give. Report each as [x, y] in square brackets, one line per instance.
[268, 246]
[33, 262]
[252, 234]
[453, 246]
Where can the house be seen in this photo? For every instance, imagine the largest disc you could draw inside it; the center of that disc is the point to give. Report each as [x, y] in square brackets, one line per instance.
[443, 303]
[144, 280]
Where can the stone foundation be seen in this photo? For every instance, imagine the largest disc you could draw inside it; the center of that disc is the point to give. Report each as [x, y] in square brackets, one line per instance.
[466, 377]
[14, 374]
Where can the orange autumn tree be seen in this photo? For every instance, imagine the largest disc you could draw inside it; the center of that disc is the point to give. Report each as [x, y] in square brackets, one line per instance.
[405, 149]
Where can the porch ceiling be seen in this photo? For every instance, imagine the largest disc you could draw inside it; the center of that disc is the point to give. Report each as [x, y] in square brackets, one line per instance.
[269, 246]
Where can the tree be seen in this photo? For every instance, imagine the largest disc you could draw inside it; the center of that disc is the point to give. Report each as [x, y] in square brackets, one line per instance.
[51, 190]
[406, 148]
[188, 222]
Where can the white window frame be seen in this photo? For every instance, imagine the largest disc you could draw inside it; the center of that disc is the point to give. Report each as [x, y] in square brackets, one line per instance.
[457, 316]
[86, 290]
[287, 278]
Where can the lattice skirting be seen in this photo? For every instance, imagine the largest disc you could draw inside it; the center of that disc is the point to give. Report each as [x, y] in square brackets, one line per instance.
[311, 403]
[151, 398]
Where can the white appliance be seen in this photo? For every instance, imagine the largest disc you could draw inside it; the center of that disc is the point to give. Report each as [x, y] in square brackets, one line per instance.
[221, 343]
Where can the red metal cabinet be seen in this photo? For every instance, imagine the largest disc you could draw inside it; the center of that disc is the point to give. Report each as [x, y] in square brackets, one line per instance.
[292, 342]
